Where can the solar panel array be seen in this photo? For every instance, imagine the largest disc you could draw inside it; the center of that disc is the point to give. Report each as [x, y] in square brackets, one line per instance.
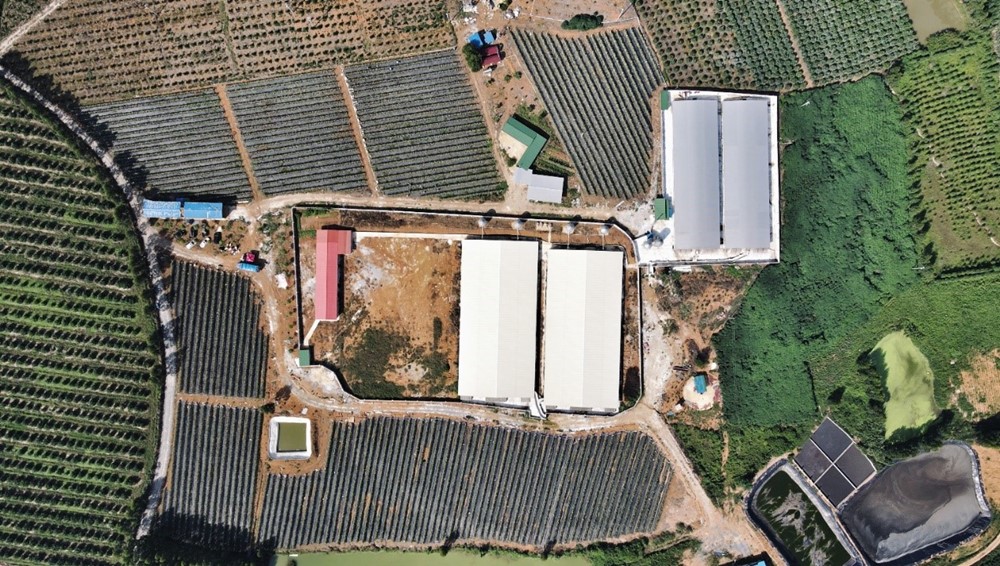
[834, 462]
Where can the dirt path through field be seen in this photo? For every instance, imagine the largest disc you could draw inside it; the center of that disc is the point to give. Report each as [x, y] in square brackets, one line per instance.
[795, 44]
[27, 26]
[234, 127]
[359, 134]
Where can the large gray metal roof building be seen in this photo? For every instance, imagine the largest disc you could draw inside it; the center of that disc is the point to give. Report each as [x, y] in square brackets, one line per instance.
[722, 173]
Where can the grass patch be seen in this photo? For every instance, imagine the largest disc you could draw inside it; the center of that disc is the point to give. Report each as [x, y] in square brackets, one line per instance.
[365, 369]
[909, 381]
[704, 448]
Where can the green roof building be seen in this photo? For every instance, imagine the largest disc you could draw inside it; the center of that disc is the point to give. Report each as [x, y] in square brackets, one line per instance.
[521, 131]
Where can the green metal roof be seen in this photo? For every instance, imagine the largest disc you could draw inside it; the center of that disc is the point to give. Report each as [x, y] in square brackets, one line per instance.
[664, 100]
[305, 356]
[660, 211]
[524, 133]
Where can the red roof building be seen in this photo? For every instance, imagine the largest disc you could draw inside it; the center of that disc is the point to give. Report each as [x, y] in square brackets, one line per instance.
[330, 245]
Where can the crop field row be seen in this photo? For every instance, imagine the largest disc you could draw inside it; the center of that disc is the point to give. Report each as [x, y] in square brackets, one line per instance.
[765, 47]
[223, 348]
[14, 12]
[105, 50]
[78, 365]
[951, 99]
[182, 145]
[841, 39]
[298, 133]
[209, 500]
[423, 127]
[600, 83]
[745, 44]
[431, 480]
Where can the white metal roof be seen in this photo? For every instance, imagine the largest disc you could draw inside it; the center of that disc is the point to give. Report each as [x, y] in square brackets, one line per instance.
[583, 310]
[499, 309]
[696, 173]
[746, 177]
[541, 188]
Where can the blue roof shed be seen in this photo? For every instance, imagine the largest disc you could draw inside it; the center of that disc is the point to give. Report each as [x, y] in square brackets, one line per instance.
[161, 209]
[203, 210]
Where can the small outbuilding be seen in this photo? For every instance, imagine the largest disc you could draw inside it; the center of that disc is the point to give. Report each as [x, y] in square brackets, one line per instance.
[524, 133]
[541, 188]
[203, 210]
[331, 246]
[161, 209]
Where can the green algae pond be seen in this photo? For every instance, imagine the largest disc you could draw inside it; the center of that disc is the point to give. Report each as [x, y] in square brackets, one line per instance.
[456, 557]
[909, 380]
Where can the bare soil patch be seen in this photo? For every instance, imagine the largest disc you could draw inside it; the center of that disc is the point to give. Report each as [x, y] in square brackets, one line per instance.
[981, 383]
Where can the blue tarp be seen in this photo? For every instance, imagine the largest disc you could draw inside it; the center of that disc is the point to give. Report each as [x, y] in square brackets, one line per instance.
[248, 266]
[203, 210]
[161, 209]
[481, 39]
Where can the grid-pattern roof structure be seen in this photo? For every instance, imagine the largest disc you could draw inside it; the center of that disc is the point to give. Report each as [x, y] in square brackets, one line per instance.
[203, 210]
[746, 174]
[498, 312]
[697, 221]
[330, 245]
[583, 311]
[834, 462]
[161, 209]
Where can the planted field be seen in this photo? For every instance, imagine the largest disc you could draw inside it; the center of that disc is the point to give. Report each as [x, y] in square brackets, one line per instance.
[104, 50]
[909, 380]
[223, 348]
[951, 99]
[843, 39]
[298, 134]
[765, 47]
[177, 145]
[209, 500]
[423, 127]
[599, 83]
[432, 480]
[79, 368]
[15, 12]
[795, 523]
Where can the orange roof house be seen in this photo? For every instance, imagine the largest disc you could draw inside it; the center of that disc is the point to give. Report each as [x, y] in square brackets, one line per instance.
[330, 246]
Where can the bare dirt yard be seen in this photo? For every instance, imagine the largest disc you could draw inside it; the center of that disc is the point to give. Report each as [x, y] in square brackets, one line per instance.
[981, 383]
[398, 334]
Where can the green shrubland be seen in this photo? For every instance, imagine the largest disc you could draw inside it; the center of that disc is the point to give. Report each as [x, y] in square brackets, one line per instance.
[846, 249]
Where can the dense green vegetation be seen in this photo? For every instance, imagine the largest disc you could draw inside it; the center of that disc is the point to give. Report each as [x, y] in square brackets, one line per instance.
[950, 94]
[473, 58]
[368, 363]
[80, 365]
[846, 249]
[583, 22]
[704, 448]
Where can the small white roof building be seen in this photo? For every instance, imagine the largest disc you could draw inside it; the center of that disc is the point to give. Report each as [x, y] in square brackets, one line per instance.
[541, 188]
[583, 330]
[497, 325]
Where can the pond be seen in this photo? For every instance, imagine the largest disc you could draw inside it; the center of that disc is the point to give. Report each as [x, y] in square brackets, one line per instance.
[932, 16]
[909, 380]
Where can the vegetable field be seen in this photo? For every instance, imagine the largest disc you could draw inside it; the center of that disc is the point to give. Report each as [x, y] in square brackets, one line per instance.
[105, 50]
[423, 127]
[223, 348]
[431, 480]
[79, 368]
[951, 99]
[210, 496]
[765, 46]
[842, 39]
[599, 83]
[298, 134]
[183, 145]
